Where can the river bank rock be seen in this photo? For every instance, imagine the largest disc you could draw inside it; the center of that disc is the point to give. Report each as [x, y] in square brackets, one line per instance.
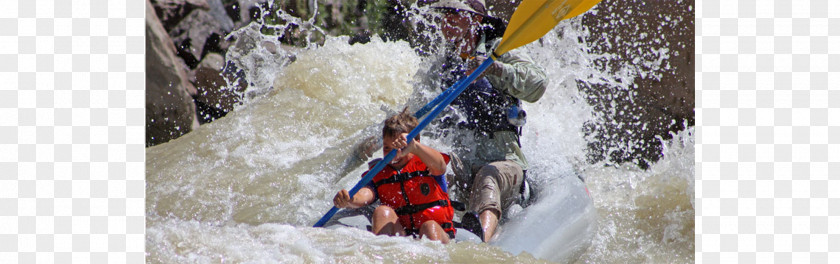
[170, 111]
[242, 12]
[182, 35]
[201, 32]
[214, 99]
[170, 12]
[660, 100]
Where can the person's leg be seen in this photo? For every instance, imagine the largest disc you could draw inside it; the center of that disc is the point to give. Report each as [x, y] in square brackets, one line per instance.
[496, 186]
[489, 220]
[434, 231]
[385, 221]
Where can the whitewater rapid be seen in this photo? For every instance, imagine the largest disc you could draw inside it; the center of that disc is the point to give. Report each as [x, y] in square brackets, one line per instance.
[248, 187]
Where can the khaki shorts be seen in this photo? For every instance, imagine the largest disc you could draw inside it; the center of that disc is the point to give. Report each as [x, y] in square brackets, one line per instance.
[495, 186]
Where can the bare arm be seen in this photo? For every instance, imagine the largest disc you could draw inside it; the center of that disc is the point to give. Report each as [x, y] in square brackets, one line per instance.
[432, 158]
[363, 197]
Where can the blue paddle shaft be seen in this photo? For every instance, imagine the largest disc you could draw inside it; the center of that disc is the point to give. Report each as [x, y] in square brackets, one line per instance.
[450, 96]
[428, 107]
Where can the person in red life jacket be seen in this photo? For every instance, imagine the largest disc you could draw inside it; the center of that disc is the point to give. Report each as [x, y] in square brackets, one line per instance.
[412, 188]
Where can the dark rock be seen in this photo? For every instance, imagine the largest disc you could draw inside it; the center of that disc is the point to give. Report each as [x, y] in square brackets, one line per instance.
[214, 99]
[201, 32]
[243, 12]
[395, 24]
[171, 12]
[502, 9]
[363, 37]
[661, 99]
[233, 10]
[170, 111]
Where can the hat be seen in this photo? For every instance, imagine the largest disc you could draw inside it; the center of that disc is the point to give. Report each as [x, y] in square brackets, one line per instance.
[493, 27]
[473, 6]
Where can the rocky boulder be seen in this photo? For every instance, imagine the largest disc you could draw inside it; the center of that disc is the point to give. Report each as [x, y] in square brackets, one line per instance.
[214, 98]
[243, 12]
[657, 39]
[170, 111]
[170, 12]
[201, 32]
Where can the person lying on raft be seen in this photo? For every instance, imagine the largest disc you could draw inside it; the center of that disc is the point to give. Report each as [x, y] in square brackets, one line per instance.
[412, 188]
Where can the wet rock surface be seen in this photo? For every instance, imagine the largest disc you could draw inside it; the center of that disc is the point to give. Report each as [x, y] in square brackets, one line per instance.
[170, 12]
[170, 111]
[646, 37]
[214, 98]
[185, 47]
[201, 32]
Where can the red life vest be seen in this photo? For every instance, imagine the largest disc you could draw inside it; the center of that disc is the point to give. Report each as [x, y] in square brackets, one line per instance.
[415, 195]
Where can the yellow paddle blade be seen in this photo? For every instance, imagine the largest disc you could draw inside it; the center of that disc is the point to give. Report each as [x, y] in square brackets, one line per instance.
[533, 18]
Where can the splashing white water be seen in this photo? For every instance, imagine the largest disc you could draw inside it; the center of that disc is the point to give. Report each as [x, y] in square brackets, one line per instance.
[247, 187]
[647, 216]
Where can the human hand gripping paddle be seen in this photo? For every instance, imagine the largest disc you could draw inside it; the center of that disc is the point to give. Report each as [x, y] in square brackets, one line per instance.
[531, 20]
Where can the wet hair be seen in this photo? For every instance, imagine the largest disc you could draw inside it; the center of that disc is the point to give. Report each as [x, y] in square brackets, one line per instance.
[400, 123]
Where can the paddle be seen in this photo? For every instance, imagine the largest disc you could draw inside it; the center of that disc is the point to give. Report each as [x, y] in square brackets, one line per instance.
[531, 20]
[420, 113]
